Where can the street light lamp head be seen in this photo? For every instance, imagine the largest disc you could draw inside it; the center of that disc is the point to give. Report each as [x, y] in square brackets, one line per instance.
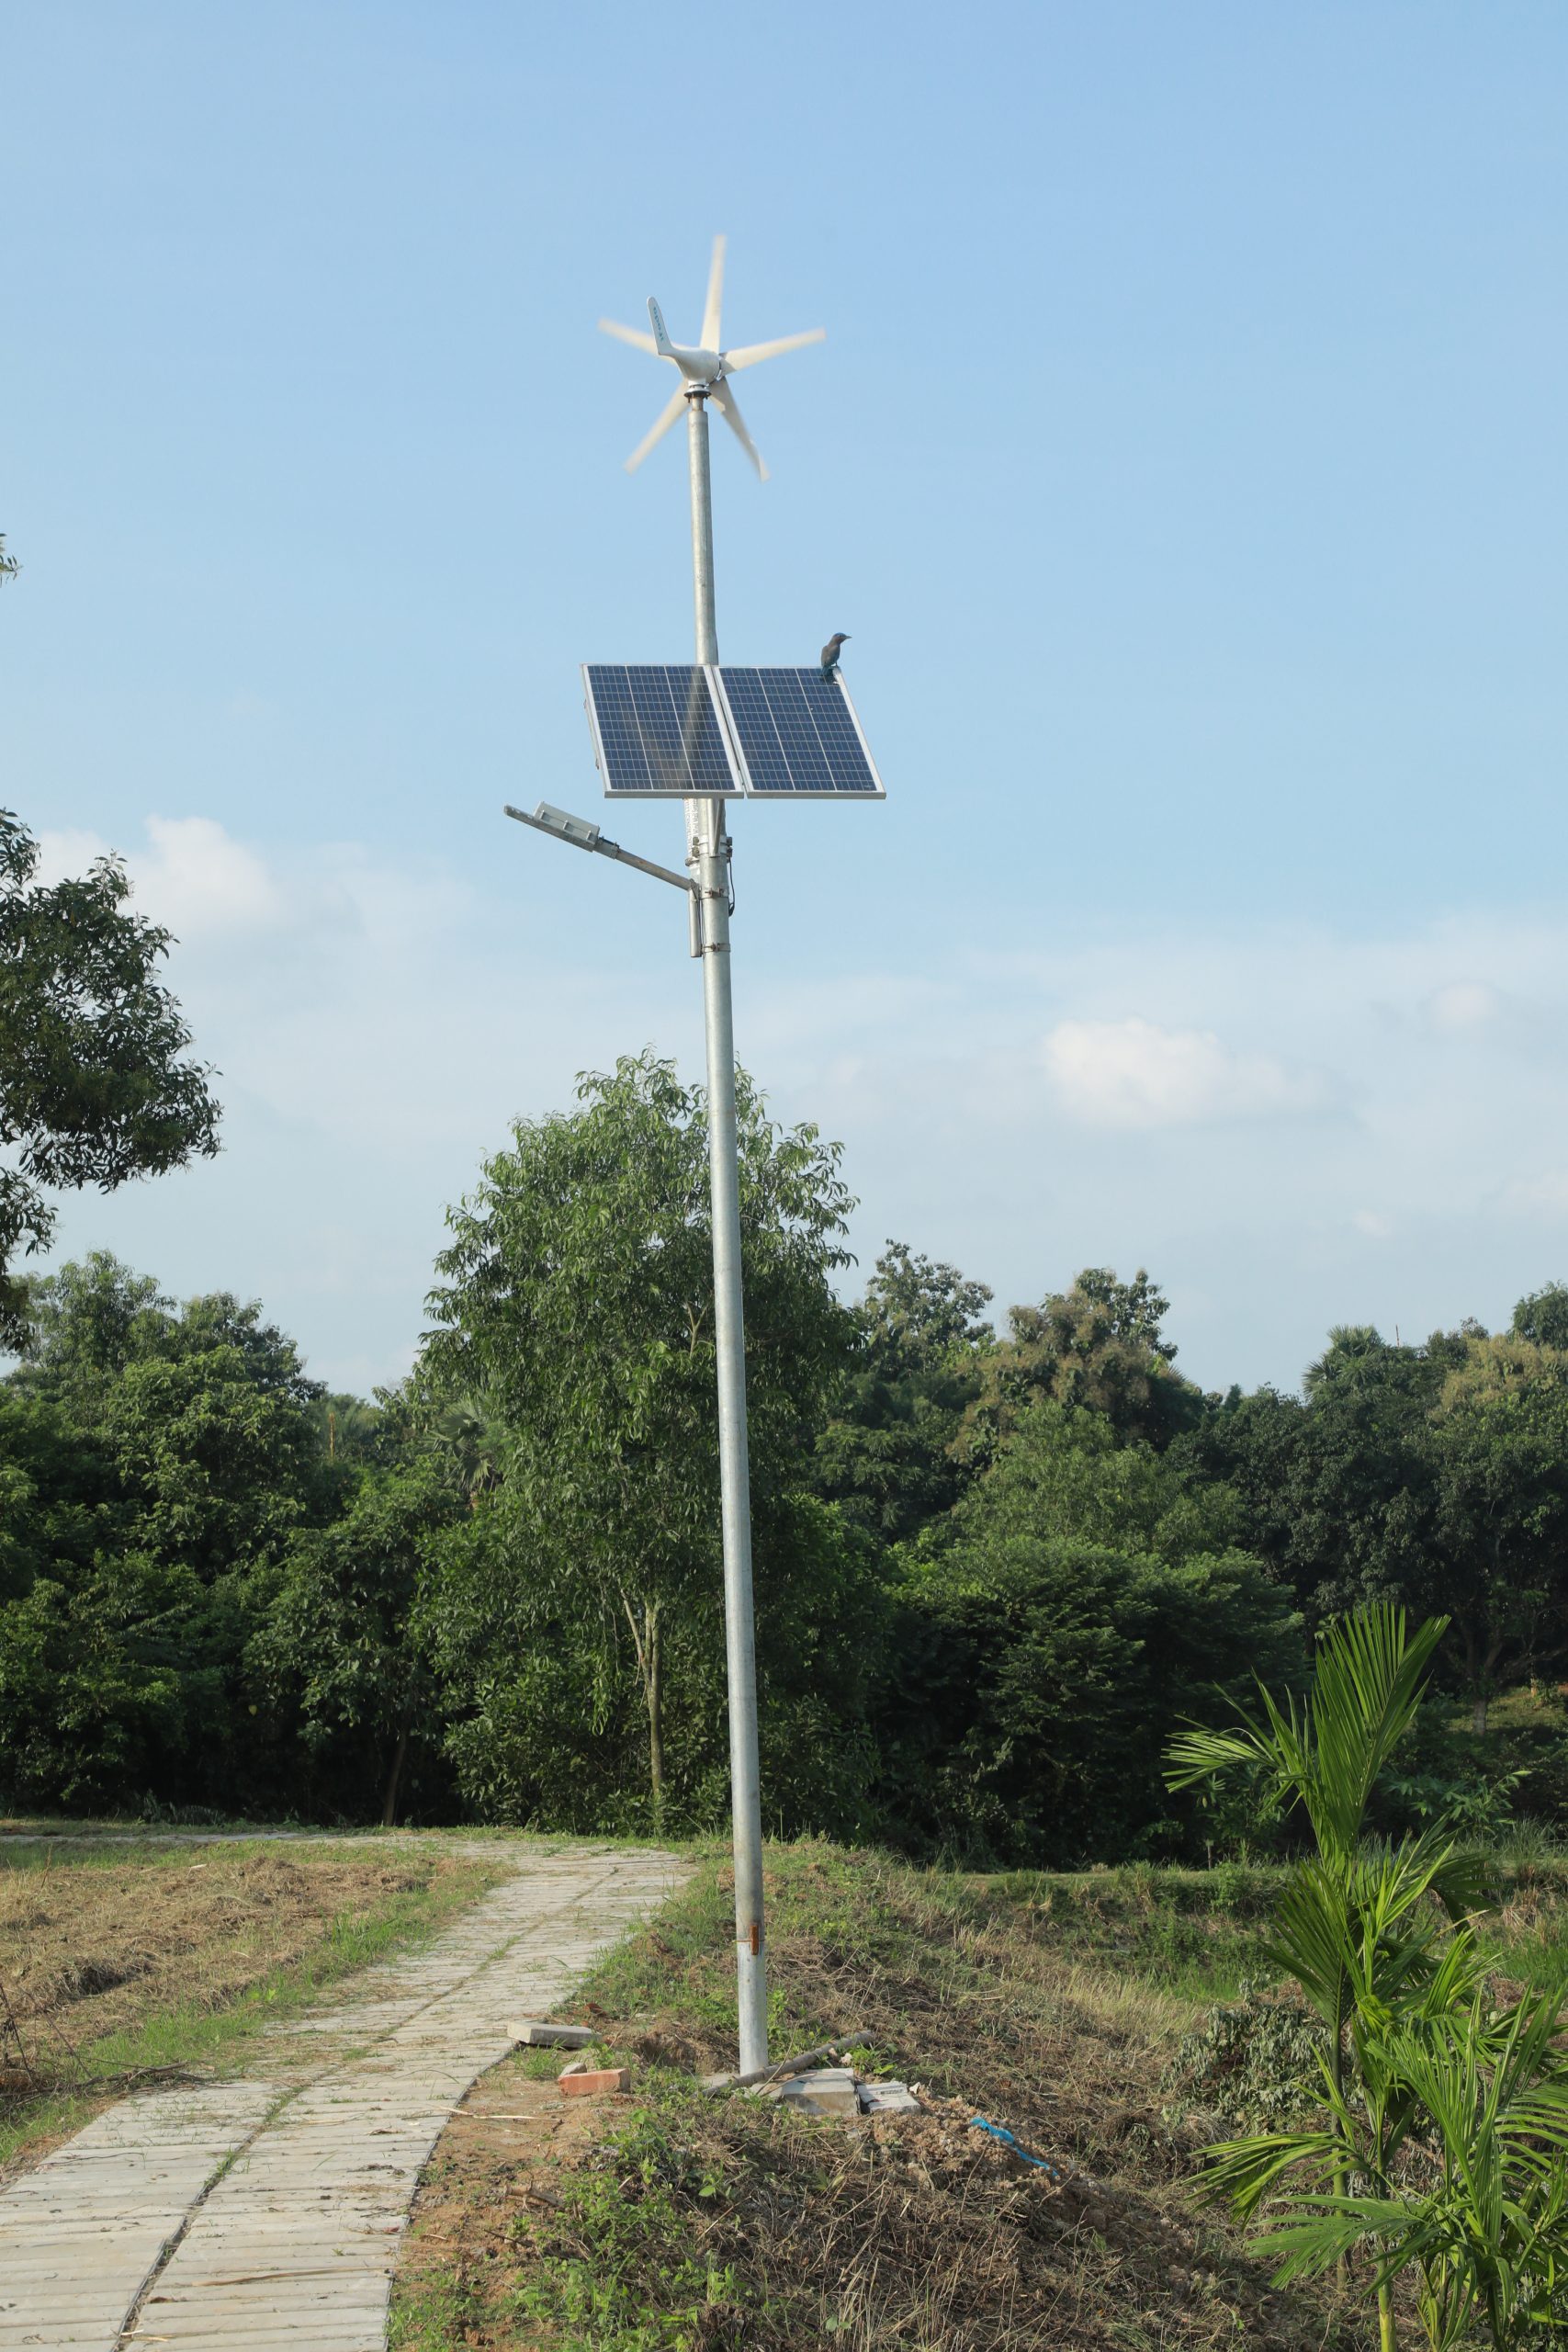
[576, 830]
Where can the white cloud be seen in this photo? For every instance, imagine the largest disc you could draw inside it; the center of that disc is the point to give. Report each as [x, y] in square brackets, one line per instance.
[66, 852]
[1132, 1074]
[1463, 1006]
[199, 880]
[195, 878]
[1376, 1227]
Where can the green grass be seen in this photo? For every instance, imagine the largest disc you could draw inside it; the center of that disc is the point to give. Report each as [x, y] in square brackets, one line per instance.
[1054, 2002]
[693, 2223]
[192, 2035]
[595, 2294]
[1194, 1933]
[1526, 1937]
[25, 1835]
[436, 2312]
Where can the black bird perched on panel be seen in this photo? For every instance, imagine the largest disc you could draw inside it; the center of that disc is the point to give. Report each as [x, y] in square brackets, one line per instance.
[831, 651]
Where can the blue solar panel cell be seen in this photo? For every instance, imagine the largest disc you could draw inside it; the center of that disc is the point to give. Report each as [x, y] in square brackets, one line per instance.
[656, 731]
[796, 735]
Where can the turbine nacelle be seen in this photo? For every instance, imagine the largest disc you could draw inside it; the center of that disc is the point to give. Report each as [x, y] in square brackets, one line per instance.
[705, 366]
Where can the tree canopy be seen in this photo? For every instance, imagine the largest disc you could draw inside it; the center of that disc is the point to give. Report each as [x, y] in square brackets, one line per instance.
[96, 1084]
[995, 1572]
[577, 1300]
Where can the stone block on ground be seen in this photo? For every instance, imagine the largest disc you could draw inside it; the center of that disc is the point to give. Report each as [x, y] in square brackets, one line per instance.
[597, 2082]
[825, 2090]
[888, 2098]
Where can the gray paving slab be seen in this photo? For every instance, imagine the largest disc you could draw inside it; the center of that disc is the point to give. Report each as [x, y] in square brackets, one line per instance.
[269, 2211]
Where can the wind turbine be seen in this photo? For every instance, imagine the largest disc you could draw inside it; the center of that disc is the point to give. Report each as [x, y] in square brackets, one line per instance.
[705, 369]
[706, 364]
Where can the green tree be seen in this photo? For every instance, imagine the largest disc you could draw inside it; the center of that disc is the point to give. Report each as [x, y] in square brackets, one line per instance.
[340, 1643]
[100, 1681]
[221, 1466]
[62, 1499]
[1100, 1345]
[577, 1302]
[1498, 1446]
[1337, 1487]
[890, 1453]
[154, 1466]
[1077, 1602]
[88, 1321]
[94, 1087]
[94, 1655]
[1543, 1316]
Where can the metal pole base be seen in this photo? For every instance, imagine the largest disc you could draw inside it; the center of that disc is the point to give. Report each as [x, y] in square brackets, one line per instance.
[751, 1976]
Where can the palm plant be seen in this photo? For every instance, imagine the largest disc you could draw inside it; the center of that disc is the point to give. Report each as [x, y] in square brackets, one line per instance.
[1356, 1927]
[476, 1440]
[1486, 2223]
[1376, 1934]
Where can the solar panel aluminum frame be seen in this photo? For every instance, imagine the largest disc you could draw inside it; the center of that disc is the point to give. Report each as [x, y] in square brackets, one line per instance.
[732, 733]
[735, 789]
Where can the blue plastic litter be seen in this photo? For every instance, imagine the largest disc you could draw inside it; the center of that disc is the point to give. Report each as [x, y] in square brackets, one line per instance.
[1000, 2132]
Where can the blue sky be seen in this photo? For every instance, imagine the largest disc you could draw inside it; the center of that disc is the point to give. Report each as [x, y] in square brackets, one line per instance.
[1186, 458]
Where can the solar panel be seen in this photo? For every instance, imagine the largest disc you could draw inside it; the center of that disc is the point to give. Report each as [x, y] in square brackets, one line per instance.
[796, 735]
[657, 733]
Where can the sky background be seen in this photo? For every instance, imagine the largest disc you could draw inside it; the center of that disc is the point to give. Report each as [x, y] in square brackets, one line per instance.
[1186, 459]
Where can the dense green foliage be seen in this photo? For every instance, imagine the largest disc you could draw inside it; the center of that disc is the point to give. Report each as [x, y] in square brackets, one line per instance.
[995, 1572]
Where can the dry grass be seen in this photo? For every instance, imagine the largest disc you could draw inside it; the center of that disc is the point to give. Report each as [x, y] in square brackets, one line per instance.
[116, 1965]
[689, 2221]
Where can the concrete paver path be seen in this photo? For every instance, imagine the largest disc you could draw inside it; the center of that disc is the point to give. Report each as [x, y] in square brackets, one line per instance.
[266, 2211]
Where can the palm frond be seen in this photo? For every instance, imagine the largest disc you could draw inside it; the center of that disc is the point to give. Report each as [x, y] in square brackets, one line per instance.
[1201, 1755]
[1324, 2229]
[1244, 2172]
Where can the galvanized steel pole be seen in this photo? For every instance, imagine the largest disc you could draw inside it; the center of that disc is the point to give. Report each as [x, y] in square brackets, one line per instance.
[709, 855]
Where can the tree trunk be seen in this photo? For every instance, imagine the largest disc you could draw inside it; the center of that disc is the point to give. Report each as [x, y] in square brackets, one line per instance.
[394, 1779]
[656, 1716]
[1479, 1660]
[646, 1639]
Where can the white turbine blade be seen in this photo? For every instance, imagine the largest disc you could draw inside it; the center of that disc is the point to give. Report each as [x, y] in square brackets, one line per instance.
[715, 297]
[666, 419]
[635, 336]
[731, 416]
[750, 353]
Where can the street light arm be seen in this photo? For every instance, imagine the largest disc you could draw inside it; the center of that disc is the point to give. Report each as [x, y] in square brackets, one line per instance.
[585, 836]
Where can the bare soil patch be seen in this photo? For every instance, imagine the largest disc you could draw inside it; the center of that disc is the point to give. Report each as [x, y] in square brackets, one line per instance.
[498, 2160]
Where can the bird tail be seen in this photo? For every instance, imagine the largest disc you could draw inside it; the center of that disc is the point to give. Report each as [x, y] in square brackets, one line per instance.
[662, 341]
